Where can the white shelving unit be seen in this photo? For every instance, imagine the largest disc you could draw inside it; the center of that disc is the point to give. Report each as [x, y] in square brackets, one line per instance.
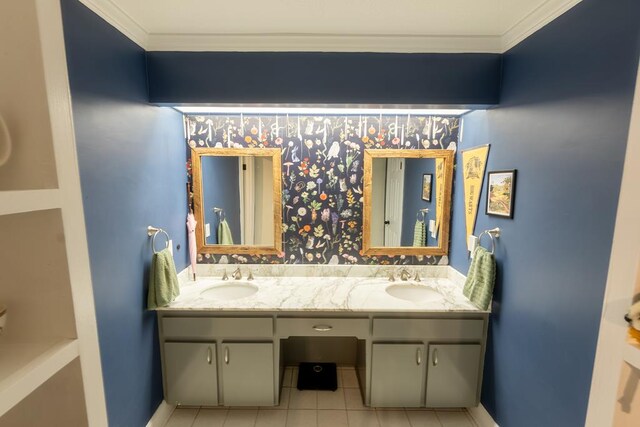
[25, 367]
[12, 202]
[50, 371]
[54, 403]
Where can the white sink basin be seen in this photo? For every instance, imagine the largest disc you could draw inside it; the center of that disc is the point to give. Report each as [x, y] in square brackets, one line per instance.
[230, 290]
[413, 292]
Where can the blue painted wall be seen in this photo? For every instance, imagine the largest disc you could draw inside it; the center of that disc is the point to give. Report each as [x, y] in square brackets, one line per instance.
[132, 169]
[562, 122]
[303, 77]
[221, 189]
[412, 199]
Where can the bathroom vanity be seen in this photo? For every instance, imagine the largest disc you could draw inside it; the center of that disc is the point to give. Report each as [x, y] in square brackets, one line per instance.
[421, 348]
[415, 342]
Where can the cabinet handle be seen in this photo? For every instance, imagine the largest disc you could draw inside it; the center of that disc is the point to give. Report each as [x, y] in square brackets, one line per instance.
[419, 356]
[322, 328]
[209, 355]
[435, 357]
[226, 355]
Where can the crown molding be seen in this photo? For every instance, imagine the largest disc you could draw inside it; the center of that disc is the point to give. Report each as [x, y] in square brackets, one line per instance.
[528, 25]
[118, 18]
[323, 43]
[534, 21]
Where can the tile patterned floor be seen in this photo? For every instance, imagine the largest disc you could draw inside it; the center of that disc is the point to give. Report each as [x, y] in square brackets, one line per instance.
[342, 408]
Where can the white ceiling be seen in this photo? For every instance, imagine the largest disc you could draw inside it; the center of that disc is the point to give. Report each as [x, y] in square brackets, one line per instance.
[330, 25]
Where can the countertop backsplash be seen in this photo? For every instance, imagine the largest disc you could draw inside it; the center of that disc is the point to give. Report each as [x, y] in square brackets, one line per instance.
[317, 270]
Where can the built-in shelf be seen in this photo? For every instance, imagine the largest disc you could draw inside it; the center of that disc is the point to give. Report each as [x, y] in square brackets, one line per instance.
[12, 202]
[24, 367]
[632, 355]
[46, 282]
[57, 402]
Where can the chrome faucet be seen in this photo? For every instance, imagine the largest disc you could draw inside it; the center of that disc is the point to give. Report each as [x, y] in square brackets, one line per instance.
[404, 275]
[237, 274]
[224, 275]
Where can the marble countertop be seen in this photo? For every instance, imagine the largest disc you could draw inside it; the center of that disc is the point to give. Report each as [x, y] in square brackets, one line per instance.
[324, 293]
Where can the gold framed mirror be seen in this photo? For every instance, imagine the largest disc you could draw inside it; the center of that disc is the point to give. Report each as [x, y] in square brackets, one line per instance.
[407, 201]
[237, 200]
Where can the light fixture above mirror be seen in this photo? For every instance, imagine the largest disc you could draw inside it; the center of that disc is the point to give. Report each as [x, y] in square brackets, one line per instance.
[313, 109]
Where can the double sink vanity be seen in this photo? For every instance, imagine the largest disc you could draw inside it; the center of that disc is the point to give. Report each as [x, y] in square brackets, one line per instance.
[418, 341]
[414, 339]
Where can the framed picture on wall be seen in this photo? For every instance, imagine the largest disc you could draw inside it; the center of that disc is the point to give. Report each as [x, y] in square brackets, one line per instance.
[426, 186]
[501, 193]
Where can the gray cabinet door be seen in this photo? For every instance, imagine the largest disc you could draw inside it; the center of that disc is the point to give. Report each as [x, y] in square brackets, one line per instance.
[247, 374]
[452, 377]
[190, 373]
[397, 375]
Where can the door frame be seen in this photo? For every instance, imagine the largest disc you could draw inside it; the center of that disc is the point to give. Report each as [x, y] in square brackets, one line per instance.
[621, 279]
[392, 200]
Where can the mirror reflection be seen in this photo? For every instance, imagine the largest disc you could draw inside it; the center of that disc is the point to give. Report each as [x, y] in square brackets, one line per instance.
[407, 201]
[403, 202]
[238, 200]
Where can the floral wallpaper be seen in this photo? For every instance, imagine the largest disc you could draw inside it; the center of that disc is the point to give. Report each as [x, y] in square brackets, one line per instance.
[322, 175]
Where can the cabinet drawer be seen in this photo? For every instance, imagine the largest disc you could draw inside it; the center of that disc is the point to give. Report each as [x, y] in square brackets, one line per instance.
[309, 327]
[429, 329]
[208, 327]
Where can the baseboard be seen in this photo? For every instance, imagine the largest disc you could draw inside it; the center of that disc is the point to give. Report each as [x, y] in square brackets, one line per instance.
[482, 417]
[161, 416]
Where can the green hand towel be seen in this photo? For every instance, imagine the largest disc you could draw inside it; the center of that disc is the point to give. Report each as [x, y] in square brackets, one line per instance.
[419, 234]
[163, 280]
[481, 278]
[224, 233]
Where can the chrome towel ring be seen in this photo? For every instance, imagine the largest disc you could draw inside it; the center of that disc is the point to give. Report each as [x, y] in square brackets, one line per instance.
[220, 212]
[494, 233]
[422, 212]
[153, 232]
